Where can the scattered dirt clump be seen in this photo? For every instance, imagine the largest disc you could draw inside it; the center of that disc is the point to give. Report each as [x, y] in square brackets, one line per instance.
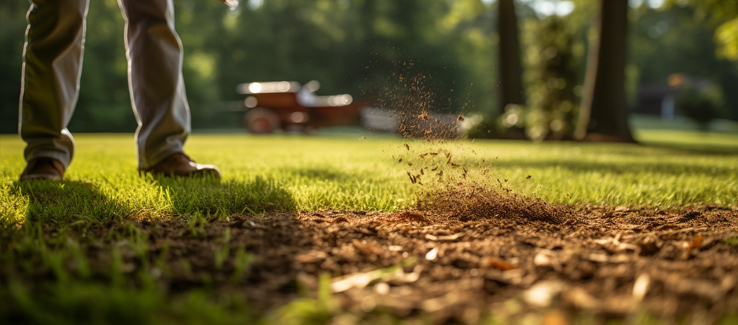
[466, 189]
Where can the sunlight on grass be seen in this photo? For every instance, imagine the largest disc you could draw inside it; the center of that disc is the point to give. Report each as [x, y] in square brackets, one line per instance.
[50, 275]
[616, 174]
[294, 173]
[695, 140]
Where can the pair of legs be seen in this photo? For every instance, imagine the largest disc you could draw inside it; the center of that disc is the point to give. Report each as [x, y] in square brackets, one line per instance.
[52, 67]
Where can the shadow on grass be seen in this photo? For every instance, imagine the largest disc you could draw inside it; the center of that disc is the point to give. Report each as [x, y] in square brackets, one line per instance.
[117, 268]
[617, 168]
[627, 159]
[703, 149]
[638, 150]
[327, 174]
[66, 201]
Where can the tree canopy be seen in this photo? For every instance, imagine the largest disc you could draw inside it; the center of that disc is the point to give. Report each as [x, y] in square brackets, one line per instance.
[369, 49]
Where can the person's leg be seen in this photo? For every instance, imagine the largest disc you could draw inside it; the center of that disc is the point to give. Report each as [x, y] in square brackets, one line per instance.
[52, 62]
[154, 53]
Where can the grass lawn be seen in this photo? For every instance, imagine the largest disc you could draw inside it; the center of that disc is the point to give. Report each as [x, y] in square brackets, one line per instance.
[48, 280]
[311, 173]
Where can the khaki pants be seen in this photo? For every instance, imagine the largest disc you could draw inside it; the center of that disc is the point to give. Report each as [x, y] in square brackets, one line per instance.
[52, 67]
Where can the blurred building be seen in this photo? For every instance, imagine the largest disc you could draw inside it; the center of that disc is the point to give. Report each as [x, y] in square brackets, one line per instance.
[660, 99]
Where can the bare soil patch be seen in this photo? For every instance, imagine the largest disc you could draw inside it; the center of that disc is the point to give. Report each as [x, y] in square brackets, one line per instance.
[606, 262]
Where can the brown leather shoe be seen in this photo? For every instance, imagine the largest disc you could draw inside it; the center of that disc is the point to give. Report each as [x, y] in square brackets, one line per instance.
[180, 165]
[43, 168]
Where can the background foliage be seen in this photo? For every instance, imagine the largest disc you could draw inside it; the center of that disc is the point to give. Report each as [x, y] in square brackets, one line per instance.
[368, 48]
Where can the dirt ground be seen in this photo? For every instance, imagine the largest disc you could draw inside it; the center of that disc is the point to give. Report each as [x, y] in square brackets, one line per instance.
[602, 262]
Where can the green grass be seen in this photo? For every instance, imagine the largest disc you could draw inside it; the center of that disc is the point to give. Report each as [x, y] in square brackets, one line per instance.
[45, 277]
[691, 140]
[732, 240]
[291, 173]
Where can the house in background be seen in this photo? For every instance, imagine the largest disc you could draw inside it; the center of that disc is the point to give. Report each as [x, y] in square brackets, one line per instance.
[660, 99]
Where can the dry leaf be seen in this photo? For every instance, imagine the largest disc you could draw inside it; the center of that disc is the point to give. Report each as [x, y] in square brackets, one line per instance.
[543, 293]
[362, 280]
[640, 287]
[366, 248]
[497, 263]
[382, 288]
[339, 220]
[580, 298]
[695, 245]
[453, 237]
[696, 242]
[432, 254]
[311, 257]
[542, 259]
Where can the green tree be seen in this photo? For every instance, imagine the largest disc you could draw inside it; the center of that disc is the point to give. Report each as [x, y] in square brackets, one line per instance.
[700, 106]
[722, 14]
[722, 19]
[552, 77]
[12, 29]
[104, 102]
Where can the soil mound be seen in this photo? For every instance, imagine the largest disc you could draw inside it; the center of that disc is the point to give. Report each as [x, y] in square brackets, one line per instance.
[469, 201]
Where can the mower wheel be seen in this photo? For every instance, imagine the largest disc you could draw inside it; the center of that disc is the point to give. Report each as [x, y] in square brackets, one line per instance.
[261, 120]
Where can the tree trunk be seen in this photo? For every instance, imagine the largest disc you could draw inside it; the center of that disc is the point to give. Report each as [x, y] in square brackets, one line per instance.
[511, 87]
[604, 113]
[511, 75]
